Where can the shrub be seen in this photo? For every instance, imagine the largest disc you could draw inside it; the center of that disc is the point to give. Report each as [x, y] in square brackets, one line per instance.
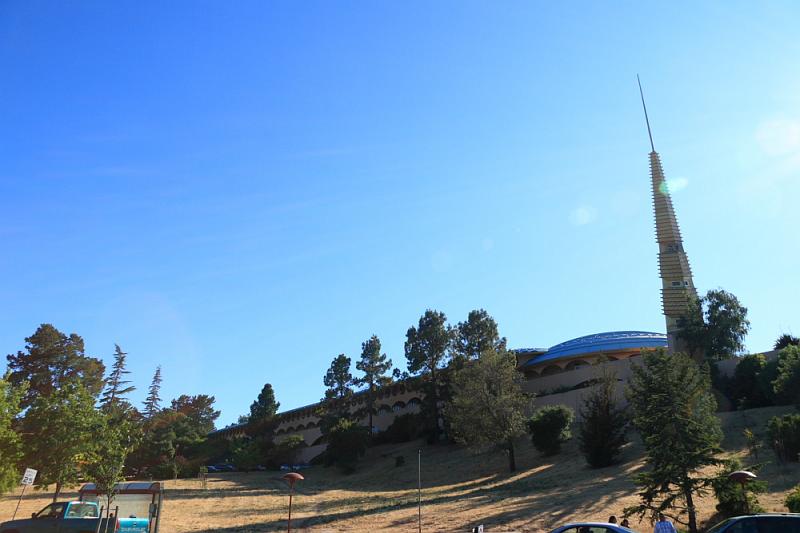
[285, 452]
[787, 384]
[792, 500]
[347, 442]
[744, 389]
[549, 427]
[784, 434]
[731, 495]
[405, 428]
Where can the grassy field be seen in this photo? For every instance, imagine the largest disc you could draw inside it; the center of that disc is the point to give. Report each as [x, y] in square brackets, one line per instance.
[460, 490]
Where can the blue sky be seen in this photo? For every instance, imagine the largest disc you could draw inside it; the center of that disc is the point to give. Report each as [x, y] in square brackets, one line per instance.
[241, 191]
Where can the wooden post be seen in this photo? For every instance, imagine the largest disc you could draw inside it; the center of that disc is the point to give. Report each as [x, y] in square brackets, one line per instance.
[419, 491]
[291, 490]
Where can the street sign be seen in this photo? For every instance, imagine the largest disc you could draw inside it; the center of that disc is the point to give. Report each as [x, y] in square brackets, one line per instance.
[29, 477]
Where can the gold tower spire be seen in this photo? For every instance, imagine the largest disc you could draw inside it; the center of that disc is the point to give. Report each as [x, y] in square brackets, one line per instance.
[677, 285]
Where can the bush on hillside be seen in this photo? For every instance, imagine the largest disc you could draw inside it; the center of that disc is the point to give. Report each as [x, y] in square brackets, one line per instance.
[285, 452]
[550, 427]
[787, 384]
[347, 442]
[745, 389]
[792, 500]
[784, 435]
[405, 428]
[732, 496]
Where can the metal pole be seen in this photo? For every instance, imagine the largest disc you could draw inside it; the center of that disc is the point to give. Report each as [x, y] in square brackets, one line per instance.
[291, 490]
[99, 519]
[746, 503]
[419, 491]
[19, 501]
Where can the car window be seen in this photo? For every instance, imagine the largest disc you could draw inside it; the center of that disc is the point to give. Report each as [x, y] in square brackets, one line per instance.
[82, 510]
[721, 526]
[748, 525]
[51, 511]
[778, 524]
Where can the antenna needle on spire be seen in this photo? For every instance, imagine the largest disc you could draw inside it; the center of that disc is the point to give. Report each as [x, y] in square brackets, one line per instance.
[646, 119]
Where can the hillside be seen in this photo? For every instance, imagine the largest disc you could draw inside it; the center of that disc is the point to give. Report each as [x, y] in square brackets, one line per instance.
[460, 490]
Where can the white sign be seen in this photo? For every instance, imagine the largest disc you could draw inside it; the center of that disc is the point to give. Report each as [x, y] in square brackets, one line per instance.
[30, 475]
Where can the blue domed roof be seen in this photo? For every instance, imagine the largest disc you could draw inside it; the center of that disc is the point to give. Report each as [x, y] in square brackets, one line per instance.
[602, 342]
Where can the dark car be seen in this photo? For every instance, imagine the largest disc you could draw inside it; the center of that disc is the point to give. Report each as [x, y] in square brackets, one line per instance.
[592, 527]
[761, 523]
[225, 467]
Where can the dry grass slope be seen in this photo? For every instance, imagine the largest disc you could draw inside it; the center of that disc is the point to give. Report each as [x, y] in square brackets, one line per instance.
[460, 490]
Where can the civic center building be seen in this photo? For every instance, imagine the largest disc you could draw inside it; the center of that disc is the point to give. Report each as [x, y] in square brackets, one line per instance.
[559, 374]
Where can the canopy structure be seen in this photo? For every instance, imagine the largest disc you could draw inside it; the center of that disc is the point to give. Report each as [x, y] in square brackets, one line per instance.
[137, 499]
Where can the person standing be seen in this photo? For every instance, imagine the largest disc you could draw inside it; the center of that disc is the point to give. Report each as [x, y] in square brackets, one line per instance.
[663, 525]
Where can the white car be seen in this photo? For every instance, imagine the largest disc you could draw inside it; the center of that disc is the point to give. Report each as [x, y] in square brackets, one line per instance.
[592, 527]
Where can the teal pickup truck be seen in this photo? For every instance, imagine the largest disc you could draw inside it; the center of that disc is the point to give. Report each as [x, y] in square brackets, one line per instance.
[137, 506]
[70, 517]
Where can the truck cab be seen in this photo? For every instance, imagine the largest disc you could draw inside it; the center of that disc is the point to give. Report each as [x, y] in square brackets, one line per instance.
[63, 517]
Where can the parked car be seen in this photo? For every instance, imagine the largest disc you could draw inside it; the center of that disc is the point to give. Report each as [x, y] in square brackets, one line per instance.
[761, 523]
[211, 469]
[70, 517]
[225, 467]
[592, 527]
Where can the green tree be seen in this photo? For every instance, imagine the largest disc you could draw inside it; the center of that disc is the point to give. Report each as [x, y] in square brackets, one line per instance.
[115, 436]
[715, 326]
[603, 422]
[745, 389]
[339, 394]
[426, 351]
[784, 435]
[475, 336]
[673, 410]
[550, 428]
[265, 406]
[245, 453]
[60, 435]
[786, 340]
[347, 442]
[488, 406]
[116, 384]
[152, 405]
[733, 498]
[51, 360]
[10, 441]
[787, 383]
[199, 411]
[374, 365]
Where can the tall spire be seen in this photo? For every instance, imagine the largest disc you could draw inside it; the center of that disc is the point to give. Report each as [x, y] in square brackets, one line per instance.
[677, 285]
[646, 119]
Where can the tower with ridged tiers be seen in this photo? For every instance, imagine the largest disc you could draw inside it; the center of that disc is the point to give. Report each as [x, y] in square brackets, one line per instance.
[677, 285]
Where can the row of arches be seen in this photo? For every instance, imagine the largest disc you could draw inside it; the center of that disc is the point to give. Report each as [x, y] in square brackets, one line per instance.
[558, 367]
[383, 409]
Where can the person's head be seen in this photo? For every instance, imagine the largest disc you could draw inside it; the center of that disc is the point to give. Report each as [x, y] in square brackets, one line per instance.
[612, 519]
[625, 522]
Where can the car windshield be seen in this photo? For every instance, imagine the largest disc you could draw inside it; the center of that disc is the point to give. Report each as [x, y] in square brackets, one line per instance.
[82, 510]
[719, 527]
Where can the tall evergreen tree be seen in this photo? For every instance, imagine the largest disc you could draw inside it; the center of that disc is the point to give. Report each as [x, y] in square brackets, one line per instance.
[199, 410]
[476, 335]
[426, 352]
[265, 406]
[116, 384]
[339, 381]
[152, 405]
[51, 360]
[674, 411]
[603, 423]
[374, 365]
[786, 340]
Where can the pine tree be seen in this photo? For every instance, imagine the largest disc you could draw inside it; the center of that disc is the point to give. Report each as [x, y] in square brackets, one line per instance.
[265, 406]
[603, 423]
[374, 365]
[426, 352]
[116, 386]
[339, 380]
[152, 405]
[476, 335]
[674, 411]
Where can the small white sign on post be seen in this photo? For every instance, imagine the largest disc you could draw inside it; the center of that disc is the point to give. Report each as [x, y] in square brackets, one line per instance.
[27, 480]
[29, 477]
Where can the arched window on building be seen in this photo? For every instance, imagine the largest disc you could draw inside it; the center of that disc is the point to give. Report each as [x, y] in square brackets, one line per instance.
[550, 370]
[578, 363]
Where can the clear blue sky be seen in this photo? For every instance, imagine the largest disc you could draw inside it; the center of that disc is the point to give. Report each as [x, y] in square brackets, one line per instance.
[241, 191]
